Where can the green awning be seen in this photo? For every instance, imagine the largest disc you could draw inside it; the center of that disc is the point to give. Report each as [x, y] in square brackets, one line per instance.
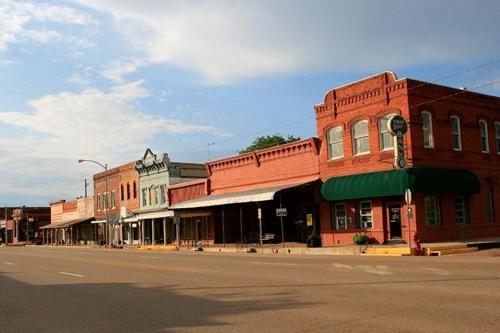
[395, 182]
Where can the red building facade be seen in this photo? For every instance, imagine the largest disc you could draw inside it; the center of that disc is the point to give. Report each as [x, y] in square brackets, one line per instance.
[452, 151]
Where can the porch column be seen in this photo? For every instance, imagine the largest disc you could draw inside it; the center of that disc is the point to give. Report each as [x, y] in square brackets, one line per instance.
[223, 230]
[152, 231]
[142, 232]
[164, 231]
[241, 226]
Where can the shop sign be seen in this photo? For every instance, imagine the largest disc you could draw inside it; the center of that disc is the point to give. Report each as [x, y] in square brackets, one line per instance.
[309, 218]
[397, 126]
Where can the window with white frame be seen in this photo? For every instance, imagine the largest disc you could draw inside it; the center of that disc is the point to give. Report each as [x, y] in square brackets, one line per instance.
[113, 198]
[99, 207]
[386, 139]
[483, 132]
[431, 210]
[456, 134]
[460, 204]
[339, 216]
[360, 138]
[497, 136]
[427, 129]
[365, 214]
[335, 142]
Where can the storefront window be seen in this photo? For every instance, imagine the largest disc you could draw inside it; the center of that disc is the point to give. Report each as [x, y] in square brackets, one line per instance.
[366, 214]
[460, 210]
[339, 216]
[431, 210]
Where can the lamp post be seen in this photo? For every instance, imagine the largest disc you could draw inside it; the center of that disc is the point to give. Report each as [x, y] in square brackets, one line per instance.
[105, 167]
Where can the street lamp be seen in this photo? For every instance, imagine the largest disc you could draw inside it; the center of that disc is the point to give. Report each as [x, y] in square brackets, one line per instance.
[105, 167]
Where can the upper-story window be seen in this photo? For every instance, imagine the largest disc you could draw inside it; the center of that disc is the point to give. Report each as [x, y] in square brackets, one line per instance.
[497, 136]
[99, 206]
[335, 142]
[128, 191]
[427, 129]
[122, 196]
[162, 194]
[483, 132]
[135, 189]
[144, 197]
[456, 134]
[386, 141]
[113, 199]
[360, 138]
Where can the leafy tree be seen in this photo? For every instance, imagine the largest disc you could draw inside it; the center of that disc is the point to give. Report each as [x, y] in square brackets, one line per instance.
[267, 141]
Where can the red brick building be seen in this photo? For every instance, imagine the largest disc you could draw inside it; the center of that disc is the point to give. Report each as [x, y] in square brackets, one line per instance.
[452, 151]
[22, 225]
[285, 176]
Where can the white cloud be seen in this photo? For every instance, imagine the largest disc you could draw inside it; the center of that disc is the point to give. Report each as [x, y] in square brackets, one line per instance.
[67, 126]
[229, 40]
[17, 19]
[116, 70]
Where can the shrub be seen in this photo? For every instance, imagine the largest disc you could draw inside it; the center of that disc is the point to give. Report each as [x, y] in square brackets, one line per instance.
[361, 239]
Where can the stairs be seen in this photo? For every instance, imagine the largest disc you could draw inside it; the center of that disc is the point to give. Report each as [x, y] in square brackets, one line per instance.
[449, 249]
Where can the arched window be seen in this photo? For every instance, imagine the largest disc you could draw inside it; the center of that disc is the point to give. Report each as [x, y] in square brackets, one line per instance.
[385, 138]
[483, 133]
[135, 189]
[456, 134]
[335, 142]
[122, 196]
[360, 138]
[128, 191]
[427, 129]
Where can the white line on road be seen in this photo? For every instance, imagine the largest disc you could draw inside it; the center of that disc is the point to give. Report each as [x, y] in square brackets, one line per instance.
[9, 263]
[273, 263]
[337, 265]
[71, 274]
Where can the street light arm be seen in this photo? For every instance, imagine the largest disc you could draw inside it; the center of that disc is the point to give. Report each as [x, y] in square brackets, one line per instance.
[104, 166]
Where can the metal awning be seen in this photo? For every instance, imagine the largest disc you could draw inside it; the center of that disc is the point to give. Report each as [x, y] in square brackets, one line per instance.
[98, 222]
[155, 215]
[395, 182]
[66, 223]
[257, 195]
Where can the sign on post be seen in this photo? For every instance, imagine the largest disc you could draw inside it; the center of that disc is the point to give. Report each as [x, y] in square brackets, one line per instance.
[280, 212]
[259, 213]
[177, 218]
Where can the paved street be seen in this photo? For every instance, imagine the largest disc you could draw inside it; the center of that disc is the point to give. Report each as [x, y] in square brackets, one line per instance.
[48, 289]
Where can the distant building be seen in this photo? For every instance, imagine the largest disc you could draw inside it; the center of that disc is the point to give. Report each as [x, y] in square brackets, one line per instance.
[22, 224]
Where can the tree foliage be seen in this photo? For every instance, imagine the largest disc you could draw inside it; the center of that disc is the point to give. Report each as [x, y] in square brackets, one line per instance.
[267, 141]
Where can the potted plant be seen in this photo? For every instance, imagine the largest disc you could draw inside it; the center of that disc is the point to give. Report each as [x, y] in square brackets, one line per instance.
[360, 239]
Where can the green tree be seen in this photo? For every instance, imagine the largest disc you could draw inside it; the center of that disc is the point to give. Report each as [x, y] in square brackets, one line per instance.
[267, 141]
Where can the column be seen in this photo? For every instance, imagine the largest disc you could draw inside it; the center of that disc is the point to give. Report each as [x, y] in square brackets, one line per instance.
[142, 232]
[164, 231]
[152, 231]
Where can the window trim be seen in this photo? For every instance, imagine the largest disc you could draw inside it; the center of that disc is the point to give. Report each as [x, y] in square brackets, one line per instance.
[431, 132]
[113, 199]
[437, 213]
[354, 149]
[485, 123]
[99, 202]
[380, 134]
[361, 215]
[465, 210]
[458, 134]
[335, 225]
[329, 143]
[497, 136]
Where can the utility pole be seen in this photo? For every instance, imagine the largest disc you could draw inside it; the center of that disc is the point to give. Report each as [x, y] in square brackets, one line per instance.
[85, 184]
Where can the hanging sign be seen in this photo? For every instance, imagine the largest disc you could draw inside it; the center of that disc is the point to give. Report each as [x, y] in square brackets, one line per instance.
[408, 196]
[397, 126]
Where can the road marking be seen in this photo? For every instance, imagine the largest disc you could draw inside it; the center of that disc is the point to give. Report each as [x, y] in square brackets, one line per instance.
[149, 257]
[377, 269]
[437, 271]
[337, 265]
[273, 263]
[71, 274]
[9, 263]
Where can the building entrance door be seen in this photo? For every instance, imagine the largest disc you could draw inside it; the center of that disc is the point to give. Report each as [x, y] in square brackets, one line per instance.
[394, 211]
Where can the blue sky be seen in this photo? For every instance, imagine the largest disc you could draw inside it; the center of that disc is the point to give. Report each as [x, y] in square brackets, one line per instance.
[106, 79]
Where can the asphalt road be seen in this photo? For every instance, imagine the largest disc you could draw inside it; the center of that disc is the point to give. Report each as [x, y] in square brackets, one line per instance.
[44, 289]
